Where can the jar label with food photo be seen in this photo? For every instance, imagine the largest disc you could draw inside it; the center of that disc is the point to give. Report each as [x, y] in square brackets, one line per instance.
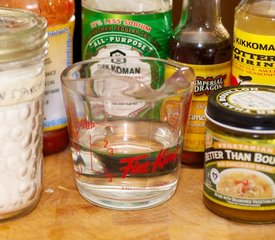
[239, 174]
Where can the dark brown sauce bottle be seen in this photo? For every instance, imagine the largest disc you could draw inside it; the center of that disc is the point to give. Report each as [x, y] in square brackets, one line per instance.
[204, 53]
[200, 40]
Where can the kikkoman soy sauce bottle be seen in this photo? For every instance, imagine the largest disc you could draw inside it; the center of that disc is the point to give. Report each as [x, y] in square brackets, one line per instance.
[126, 28]
[253, 58]
[201, 42]
[60, 18]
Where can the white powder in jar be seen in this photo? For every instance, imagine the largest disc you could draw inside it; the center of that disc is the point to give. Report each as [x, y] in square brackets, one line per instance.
[23, 46]
[21, 137]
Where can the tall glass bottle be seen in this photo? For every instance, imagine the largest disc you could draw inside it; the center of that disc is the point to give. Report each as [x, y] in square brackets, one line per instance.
[60, 18]
[201, 42]
[253, 58]
[127, 28]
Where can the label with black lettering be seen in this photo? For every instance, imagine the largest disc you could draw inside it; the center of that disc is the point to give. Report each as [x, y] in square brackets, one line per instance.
[253, 58]
[208, 79]
[239, 173]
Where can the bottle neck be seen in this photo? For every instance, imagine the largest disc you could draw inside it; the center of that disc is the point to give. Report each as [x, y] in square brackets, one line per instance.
[203, 14]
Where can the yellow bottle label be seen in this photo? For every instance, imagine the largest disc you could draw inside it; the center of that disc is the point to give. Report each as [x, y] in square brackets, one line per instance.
[208, 79]
[59, 57]
[253, 58]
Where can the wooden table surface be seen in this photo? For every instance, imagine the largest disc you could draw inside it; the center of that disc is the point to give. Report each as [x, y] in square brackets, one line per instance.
[63, 214]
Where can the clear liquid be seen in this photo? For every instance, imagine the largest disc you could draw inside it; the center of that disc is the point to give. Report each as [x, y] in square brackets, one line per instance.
[105, 175]
[257, 18]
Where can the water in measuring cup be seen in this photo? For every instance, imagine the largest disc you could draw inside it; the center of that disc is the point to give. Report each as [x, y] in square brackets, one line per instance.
[127, 164]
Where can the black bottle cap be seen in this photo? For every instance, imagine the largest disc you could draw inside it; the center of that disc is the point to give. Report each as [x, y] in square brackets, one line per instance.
[243, 107]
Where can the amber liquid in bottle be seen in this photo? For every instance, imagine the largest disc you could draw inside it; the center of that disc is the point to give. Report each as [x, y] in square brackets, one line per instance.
[199, 48]
[204, 53]
[57, 13]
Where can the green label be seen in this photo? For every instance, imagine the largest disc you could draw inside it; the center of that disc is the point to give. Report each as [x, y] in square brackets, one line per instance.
[106, 34]
[239, 173]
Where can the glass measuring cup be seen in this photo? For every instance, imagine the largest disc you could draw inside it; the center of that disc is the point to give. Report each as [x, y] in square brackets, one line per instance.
[125, 118]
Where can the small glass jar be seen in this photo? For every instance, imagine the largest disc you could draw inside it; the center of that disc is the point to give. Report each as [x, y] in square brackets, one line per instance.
[23, 45]
[239, 167]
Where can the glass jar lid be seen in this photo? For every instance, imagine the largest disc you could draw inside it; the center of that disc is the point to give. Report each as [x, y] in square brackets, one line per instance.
[247, 108]
[22, 35]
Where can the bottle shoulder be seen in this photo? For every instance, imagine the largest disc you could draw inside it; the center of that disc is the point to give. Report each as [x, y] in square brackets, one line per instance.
[201, 48]
[193, 34]
[126, 6]
[260, 8]
[256, 17]
[55, 11]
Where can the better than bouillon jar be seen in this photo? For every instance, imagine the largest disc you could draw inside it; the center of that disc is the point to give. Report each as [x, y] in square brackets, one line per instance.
[239, 168]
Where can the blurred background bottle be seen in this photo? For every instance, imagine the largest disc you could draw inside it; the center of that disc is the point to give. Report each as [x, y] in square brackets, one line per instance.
[253, 58]
[201, 42]
[128, 28]
[61, 19]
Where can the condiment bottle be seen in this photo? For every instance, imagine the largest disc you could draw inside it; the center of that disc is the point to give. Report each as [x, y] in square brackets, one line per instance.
[60, 18]
[23, 46]
[126, 28]
[201, 42]
[239, 176]
[253, 58]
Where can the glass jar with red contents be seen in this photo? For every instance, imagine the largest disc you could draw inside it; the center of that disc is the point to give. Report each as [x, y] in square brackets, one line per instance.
[61, 20]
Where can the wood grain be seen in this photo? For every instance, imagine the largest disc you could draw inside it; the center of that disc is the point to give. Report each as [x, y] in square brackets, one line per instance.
[63, 214]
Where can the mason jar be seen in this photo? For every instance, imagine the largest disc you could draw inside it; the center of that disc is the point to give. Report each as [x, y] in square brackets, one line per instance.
[23, 45]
